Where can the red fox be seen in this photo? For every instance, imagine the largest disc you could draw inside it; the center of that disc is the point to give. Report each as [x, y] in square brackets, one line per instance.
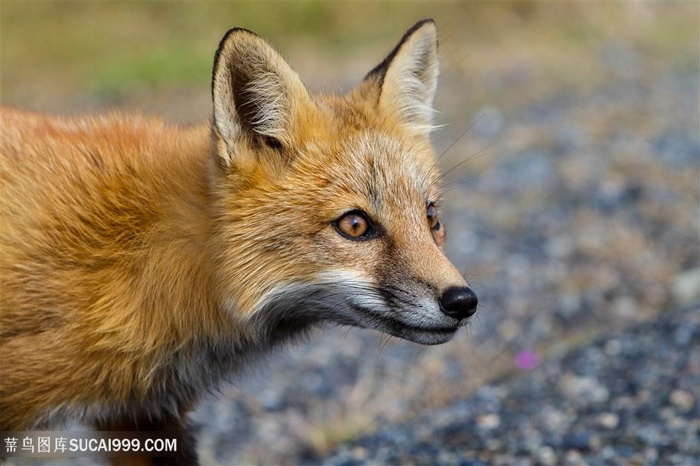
[143, 264]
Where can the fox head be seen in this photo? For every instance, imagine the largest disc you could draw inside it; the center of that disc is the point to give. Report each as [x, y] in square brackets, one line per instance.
[327, 207]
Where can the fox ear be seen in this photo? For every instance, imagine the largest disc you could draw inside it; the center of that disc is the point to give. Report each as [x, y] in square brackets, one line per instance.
[407, 77]
[255, 94]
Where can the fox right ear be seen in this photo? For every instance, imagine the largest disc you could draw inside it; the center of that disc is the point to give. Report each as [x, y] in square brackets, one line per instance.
[255, 94]
[407, 78]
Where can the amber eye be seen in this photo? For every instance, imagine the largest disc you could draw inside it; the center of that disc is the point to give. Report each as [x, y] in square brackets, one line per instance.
[353, 225]
[432, 215]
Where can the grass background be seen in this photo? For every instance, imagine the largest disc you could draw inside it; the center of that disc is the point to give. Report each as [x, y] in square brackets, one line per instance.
[157, 56]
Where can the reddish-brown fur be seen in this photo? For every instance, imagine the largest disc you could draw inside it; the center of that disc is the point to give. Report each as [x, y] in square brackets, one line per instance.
[142, 263]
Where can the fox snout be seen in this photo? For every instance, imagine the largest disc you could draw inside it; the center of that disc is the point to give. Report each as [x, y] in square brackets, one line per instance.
[459, 302]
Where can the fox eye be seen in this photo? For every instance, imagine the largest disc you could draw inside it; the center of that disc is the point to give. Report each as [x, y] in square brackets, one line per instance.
[353, 225]
[432, 215]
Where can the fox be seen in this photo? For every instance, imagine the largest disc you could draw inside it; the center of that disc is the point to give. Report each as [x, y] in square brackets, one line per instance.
[143, 264]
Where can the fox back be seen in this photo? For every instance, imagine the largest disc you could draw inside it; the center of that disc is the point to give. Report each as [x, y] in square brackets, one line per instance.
[143, 264]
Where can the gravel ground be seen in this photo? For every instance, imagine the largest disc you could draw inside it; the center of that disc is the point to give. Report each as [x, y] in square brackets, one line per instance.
[630, 397]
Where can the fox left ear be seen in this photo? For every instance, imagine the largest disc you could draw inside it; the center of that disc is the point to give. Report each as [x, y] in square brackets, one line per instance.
[408, 77]
[256, 95]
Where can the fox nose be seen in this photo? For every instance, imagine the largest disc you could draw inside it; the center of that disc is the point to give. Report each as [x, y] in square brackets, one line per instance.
[459, 302]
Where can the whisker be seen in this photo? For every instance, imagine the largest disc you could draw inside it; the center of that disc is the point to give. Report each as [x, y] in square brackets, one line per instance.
[476, 120]
[476, 154]
[347, 333]
[461, 181]
[470, 275]
[457, 183]
[386, 342]
[437, 159]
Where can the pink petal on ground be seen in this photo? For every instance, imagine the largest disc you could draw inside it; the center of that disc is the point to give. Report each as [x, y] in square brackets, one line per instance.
[526, 360]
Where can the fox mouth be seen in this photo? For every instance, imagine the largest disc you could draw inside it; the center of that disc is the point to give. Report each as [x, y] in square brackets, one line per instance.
[422, 334]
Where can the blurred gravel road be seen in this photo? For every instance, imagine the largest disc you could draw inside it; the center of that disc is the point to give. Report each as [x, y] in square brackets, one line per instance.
[630, 397]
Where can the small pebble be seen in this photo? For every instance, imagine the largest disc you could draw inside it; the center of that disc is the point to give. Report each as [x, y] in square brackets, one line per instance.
[359, 453]
[608, 420]
[607, 453]
[613, 348]
[573, 458]
[686, 286]
[584, 389]
[682, 400]
[580, 441]
[546, 456]
[488, 421]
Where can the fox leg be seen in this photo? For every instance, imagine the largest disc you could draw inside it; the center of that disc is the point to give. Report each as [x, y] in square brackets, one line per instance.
[174, 427]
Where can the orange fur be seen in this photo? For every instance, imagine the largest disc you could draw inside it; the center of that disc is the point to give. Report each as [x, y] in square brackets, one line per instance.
[143, 263]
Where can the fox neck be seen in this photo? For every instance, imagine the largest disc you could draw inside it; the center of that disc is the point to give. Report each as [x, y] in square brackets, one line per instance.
[182, 274]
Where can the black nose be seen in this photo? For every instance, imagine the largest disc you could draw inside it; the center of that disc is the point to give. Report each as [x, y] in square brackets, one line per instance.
[459, 303]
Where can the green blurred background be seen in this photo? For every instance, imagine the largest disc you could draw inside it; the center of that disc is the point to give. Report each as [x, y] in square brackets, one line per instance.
[157, 56]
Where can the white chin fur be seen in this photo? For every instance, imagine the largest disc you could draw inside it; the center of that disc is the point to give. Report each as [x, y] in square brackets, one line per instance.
[427, 337]
[347, 298]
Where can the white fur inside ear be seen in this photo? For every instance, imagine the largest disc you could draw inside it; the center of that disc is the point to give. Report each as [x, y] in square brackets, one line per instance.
[226, 124]
[271, 113]
[255, 93]
[410, 82]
